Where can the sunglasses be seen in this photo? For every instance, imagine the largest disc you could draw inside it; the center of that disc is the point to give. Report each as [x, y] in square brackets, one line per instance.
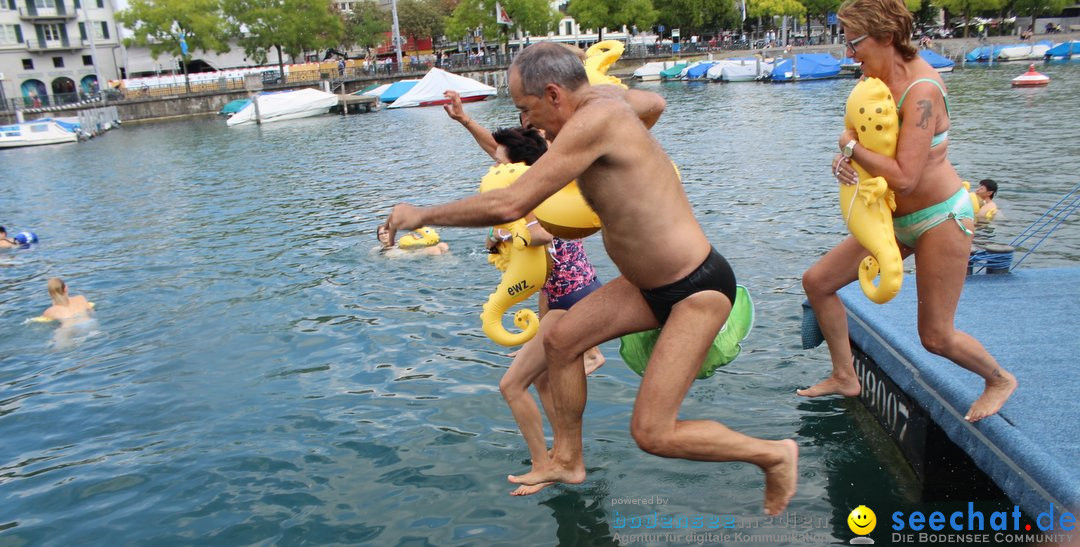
[852, 43]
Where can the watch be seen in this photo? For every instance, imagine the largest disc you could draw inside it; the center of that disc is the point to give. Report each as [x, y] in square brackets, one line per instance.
[849, 149]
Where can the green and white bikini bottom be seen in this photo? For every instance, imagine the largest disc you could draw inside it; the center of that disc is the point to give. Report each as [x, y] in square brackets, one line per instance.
[910, 227]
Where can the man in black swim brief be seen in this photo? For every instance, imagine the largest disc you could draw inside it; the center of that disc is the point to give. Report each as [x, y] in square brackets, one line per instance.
[714, 274]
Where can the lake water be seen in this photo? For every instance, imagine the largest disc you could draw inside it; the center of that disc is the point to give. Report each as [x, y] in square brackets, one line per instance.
[258, 374]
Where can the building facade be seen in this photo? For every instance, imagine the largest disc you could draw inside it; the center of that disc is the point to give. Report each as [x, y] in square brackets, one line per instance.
[56, 51]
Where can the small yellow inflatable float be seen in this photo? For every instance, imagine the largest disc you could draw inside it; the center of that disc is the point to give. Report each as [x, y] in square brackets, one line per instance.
[566, 214]
[43, 319]
[524, 269]
[867, 206]
[419, 238]
[599, 58]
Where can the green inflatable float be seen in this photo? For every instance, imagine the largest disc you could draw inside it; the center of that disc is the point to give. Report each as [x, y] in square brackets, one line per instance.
[636, 348]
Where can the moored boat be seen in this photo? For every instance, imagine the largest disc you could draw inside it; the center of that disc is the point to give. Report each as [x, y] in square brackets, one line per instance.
[37, 132]
[285, 105]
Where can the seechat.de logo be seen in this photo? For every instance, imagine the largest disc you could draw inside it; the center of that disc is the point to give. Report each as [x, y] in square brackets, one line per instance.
[862, 521]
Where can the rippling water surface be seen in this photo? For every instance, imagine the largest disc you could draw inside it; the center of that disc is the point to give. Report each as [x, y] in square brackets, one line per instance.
[257, 374]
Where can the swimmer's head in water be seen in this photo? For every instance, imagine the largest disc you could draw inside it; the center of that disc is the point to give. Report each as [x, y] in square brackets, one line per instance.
[988, 187]
[382, 234]
[58, 291]
[3, 231]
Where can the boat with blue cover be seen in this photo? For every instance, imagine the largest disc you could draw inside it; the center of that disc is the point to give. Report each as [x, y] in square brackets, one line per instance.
[806, 66]
[698, 71]
[936, 60]
[1063, 50]
[673, 72]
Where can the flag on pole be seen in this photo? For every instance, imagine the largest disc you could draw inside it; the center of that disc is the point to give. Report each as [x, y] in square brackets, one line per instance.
[501, 17]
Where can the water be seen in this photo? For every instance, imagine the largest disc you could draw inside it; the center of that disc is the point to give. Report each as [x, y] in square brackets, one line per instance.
[257, 374]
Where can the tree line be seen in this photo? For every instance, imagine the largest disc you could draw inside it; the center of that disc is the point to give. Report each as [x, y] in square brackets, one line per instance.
[293, 27]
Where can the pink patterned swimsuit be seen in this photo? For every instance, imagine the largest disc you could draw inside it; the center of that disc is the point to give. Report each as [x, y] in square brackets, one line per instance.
[572, 276]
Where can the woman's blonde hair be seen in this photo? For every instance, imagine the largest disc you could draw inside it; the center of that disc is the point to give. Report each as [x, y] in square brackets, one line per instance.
[881, 19]
[56, 291]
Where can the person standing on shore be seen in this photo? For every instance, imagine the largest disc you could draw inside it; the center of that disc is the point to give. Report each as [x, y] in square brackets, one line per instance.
[933, 218]
[601, 140]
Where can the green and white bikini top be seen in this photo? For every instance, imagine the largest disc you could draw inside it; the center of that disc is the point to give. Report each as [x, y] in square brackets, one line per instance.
[940, 137]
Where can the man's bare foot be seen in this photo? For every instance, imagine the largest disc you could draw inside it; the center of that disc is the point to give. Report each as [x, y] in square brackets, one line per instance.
[781, 479]
[832, 386]
[593, 360]
[993, 397]
[556, 473]
[527, 490]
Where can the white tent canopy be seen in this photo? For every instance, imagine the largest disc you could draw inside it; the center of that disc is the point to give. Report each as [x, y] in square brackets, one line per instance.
[429, 90]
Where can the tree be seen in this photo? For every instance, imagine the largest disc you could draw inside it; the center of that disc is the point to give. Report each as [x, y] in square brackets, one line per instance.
[967, 8]
[535, 16]
[1035, 8]
[420, 19]
[171, 26]
[600, 14]
[819, 9]
[292, 26]
[695, 15]
[366, 26]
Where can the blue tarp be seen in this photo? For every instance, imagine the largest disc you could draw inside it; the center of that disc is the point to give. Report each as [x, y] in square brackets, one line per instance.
[1067, 48]
[983, 53]
[935, 60]
[67, 126]
[698, 71]
[233, 107]
[810, 66]
[397, 90]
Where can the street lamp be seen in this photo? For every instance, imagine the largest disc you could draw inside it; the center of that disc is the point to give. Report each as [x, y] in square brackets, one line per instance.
[397, 33]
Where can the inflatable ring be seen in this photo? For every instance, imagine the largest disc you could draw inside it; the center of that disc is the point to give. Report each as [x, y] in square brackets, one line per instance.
[868, 205]
[599, 58]
[25, 239]
[636, 348]
[524, 269]
[419, 238]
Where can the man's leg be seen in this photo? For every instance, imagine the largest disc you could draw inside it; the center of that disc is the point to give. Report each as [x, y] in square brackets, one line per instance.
[941, 266]
[613, 310]
[674, 363]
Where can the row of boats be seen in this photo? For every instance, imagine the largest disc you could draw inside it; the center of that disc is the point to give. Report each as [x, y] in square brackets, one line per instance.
[801, 66]
[302, 103]
[1044, 49]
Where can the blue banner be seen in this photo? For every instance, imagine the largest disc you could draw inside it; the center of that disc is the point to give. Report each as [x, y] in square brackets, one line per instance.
[183, 46]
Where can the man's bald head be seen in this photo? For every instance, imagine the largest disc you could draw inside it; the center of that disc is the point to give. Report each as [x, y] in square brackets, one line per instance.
[549, 63]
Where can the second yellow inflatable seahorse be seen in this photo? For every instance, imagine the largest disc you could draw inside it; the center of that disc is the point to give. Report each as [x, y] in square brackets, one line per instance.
[599, 58]
[524, 269]
[868, 205]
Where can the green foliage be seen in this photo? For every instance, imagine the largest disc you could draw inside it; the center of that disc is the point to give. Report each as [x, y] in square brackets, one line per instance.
[159, 24]
[534, 16]
[1036, 8]
[420, 18]
[294, 26]
[768, 8]
[693, 15]
[613, 14]
[366, 26]
[968, 8]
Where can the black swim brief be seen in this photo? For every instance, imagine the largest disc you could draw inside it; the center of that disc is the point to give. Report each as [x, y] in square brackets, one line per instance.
[712, 275]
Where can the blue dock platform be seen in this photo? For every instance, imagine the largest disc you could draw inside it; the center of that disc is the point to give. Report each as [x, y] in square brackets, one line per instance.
[1029, 320]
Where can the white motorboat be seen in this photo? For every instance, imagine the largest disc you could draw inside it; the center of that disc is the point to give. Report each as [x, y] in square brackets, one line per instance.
[37, 132]
[285, 105]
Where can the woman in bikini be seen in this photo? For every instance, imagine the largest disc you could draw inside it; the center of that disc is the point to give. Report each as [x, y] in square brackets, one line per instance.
[933, 218]
[572, 278]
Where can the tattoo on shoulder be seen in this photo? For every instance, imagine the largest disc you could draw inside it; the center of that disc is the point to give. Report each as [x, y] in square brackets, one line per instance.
[926, 111]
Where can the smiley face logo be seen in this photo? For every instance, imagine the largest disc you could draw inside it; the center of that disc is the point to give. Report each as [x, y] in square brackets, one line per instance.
[862, 520]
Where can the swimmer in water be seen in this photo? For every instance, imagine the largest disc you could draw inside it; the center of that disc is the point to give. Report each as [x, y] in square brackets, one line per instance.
[67, 309]
[394, 251]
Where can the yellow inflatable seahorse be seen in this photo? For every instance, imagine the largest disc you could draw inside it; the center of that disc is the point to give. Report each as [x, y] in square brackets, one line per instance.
[599, 58]
[524, 269]
[868, 205]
